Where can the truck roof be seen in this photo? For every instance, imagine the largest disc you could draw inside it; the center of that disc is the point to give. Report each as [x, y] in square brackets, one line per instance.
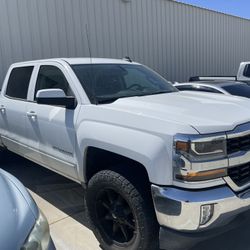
[96, 61]
[80, 60]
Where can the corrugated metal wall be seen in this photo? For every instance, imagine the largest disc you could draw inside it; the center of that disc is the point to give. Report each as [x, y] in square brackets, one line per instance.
[175, 39]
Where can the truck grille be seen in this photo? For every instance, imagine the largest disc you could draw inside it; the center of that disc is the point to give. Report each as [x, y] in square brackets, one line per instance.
[238, 144]
[240, 174]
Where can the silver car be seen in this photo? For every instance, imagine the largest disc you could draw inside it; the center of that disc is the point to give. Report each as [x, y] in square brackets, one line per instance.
[220, 87]
[23, 226]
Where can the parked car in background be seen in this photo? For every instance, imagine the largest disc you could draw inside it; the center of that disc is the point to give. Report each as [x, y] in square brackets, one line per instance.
[244, 72]
[220, 87]
[238, 85]
[23, 226]
[243, 75]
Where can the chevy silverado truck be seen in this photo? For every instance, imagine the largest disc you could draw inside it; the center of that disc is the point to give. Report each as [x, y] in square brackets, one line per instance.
[155, 163]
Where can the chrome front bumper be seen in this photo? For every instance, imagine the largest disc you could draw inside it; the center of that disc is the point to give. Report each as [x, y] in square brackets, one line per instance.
[180, 209]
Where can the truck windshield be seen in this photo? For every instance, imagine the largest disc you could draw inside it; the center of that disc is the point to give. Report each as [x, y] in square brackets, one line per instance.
[105, 83]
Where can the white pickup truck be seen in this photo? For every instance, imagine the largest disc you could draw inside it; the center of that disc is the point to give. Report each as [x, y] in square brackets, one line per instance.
[154, 162]
[244, 72]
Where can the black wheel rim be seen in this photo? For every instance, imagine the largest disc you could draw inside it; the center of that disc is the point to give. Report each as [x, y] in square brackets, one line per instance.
[115, 217]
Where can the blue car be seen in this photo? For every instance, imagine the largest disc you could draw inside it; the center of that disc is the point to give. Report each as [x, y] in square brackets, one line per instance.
[23, 226]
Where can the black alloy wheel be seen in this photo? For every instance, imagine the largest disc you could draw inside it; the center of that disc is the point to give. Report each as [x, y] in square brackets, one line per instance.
[121, 214]
[116, 217]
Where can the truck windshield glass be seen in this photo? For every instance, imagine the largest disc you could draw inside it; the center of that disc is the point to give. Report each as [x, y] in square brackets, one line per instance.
[105, 83]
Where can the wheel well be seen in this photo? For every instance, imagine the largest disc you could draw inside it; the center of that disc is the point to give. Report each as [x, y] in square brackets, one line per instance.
[100, 159]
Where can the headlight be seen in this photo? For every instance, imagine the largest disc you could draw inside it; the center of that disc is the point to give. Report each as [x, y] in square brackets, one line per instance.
[201, 149]
[195, 157]
[39, 237]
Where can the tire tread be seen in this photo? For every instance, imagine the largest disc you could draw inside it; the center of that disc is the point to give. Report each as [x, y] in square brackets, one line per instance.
[142, 206]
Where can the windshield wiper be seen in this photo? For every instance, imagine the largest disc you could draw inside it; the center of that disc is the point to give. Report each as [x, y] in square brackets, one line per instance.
[107, 100]
[157, 93]
[103, 100]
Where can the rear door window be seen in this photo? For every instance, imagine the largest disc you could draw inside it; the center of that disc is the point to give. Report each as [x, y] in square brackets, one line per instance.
[18, 83]
[246, 72]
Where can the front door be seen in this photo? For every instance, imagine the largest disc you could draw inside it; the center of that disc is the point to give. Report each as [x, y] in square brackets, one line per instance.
[50, 129]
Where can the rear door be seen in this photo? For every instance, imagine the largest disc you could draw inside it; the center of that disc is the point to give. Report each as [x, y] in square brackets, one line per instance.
[50, 129]
[13, 108]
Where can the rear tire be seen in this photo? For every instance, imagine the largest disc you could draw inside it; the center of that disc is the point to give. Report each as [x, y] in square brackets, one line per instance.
[122, 217]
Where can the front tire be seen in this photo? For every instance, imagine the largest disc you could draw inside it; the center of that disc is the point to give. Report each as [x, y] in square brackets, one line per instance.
[122, 217]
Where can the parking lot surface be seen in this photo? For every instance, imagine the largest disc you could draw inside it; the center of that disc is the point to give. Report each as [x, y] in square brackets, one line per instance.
[61, 200]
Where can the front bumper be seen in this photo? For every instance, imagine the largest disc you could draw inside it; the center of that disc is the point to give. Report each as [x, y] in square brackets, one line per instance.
[176, 240]
[180, 209]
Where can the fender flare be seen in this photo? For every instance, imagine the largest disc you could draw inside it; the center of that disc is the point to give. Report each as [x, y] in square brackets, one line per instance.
[147, 149]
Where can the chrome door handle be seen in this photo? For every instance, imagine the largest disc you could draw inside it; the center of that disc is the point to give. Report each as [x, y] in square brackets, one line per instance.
[3, 109]
[32, 115]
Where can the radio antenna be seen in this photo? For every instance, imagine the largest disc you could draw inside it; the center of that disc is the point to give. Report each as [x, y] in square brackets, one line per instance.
[88, 40]
[91, 67]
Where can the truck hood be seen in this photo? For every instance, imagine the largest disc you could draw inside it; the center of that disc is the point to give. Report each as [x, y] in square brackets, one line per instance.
[205, 112]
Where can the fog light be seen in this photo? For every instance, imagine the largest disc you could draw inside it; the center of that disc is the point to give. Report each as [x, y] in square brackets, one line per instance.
[207, 212]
